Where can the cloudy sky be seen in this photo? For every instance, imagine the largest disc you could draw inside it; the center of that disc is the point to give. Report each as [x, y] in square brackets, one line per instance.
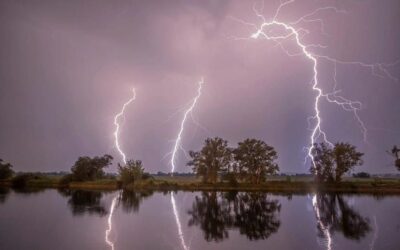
[66, 68]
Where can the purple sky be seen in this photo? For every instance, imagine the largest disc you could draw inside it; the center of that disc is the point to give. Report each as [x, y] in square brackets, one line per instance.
[66, 68]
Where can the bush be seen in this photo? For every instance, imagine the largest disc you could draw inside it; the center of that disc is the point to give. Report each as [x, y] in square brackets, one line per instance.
[66, 179]
[361, 175]
[5, 170]
[21, 180]
[131, 172]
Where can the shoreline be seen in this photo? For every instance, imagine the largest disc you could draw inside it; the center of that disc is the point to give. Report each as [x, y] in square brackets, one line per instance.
[370, 186]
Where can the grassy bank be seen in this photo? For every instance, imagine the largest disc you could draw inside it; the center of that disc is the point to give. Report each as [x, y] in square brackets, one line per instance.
[187, 183]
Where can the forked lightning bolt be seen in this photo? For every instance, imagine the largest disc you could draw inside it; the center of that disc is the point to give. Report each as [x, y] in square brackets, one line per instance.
[177, 144]
[324, 228]
[279, 32]
[118, 126]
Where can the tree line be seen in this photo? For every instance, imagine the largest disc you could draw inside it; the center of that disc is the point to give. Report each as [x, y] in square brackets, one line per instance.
[251, 161]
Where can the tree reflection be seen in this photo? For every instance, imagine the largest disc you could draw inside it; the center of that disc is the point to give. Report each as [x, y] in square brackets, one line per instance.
[131, 200]
[253, 214]
[4, 192]
[336, 215]
[83, 201]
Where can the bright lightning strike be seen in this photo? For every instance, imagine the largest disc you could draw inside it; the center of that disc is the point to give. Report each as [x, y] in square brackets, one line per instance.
[178, 139]
[178, 223]
[278, 32]
[109, 221]
[118, 126]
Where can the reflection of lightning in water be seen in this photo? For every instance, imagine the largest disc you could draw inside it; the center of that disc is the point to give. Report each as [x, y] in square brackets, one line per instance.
[376, 229]
[325, 229]
[286, 31]
[178, 223]
[109, 221]
[178, 139]
[117, 125]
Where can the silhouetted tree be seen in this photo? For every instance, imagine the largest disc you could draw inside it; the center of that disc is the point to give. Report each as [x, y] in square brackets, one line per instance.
[331, 163]
[5, 170]
[255, 160]
[131, 172]
[213, 159]
[396, 154]
[89, 169]
[4, 192]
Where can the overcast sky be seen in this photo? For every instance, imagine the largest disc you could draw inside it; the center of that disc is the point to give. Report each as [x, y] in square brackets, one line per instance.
[66, 68]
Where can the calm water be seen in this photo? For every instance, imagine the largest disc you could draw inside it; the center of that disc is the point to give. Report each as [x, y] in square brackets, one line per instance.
[51, 219]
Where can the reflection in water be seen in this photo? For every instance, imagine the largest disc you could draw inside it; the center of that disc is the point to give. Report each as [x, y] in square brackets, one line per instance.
[254, 214]
[109, 221]
[178, 222]
[376, 229]
[323, 228]
[83, 201]
[334, 214]
[131, 200]
[4, 192]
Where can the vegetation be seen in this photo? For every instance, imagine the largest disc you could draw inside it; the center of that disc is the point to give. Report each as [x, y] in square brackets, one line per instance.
[251, 161]
[6, 171]
[255, 160]
[212, 160]
[361, 175]
[132, 172]
[395, 152]
[331, 163]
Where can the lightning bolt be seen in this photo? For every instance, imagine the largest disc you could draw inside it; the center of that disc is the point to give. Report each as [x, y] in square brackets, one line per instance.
[177, 144]
[109, 222]
[178, 223]
[118, 126]
[279, 31]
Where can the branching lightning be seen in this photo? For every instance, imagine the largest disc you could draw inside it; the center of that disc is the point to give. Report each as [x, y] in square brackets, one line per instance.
[118, 126]
[279, 31]
[109, 222]
[177, 144]
[178, 223]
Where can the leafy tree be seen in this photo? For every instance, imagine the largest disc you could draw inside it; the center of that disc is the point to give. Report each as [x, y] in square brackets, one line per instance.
[331, 163]
[5, 170]
[131, 172]
[255, 159]
[213, 159]
[89, 169]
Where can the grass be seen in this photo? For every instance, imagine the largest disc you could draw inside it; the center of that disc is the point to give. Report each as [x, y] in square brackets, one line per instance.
[295, 184]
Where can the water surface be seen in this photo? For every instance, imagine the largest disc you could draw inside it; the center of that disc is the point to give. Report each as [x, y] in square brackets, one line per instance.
[74, 219]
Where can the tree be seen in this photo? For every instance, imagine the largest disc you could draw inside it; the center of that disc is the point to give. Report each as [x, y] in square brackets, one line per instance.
[89, 169]
[396, 154]
[255, 159]
[331, 163]
[5, 170]
[213, 159]
[131, 172]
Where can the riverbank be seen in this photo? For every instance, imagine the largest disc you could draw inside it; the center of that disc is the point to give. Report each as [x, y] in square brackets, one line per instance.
[292, 185]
